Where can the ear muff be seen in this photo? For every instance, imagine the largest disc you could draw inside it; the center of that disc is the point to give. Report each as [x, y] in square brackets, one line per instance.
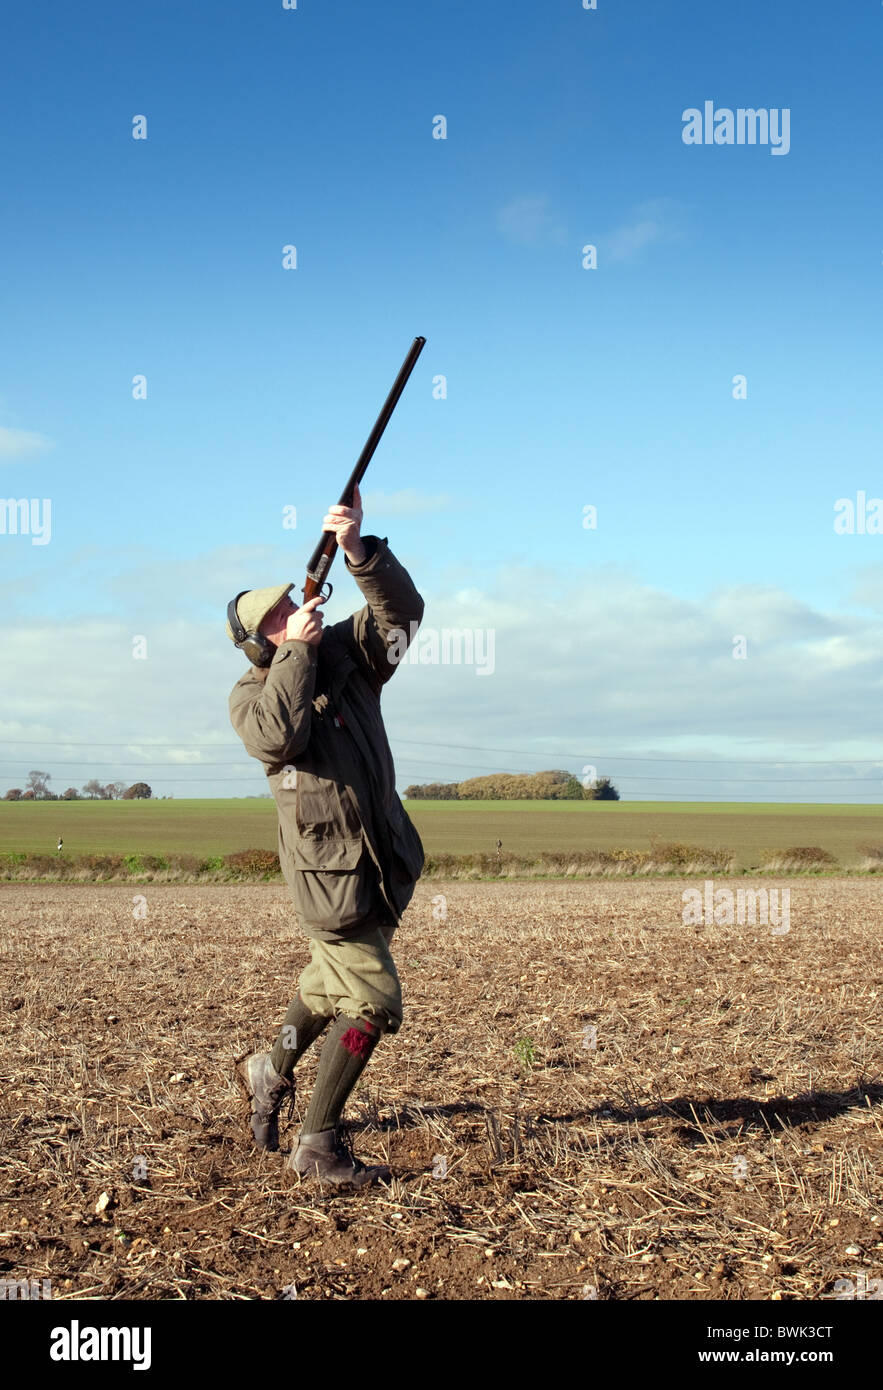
[259, 649]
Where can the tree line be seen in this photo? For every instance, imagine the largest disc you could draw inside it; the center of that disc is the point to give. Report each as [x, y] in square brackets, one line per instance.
[517, 786]
[37, 789]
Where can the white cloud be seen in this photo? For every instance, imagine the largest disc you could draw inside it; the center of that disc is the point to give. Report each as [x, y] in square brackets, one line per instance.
[597, 662]
[529, 221]
[658, 220]
[126, 719]
[607, 661]
[20, 444]
[167, 753]
[211, 578]
[773, 614]
[868, 589]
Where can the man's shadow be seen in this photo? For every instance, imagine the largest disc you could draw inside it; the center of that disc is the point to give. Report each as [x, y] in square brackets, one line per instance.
[735, 1115]
[730, 1117]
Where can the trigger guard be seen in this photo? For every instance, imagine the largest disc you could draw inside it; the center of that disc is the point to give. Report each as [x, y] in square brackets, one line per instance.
[321, 594]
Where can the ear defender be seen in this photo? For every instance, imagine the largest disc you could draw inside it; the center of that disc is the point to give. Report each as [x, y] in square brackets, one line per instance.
[259, 649]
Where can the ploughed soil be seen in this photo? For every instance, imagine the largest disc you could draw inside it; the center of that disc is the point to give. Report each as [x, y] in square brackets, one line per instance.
[588, 1098]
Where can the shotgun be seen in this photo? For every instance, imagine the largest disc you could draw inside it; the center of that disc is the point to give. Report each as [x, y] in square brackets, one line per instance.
[322, 556]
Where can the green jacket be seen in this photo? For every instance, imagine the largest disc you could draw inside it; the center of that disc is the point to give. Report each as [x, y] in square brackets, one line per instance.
[349, 852]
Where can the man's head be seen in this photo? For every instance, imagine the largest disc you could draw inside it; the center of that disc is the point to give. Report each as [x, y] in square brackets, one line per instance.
[275, 622]
[265, 611]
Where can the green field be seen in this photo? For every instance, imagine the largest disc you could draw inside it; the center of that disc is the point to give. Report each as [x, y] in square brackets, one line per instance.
[205, 827]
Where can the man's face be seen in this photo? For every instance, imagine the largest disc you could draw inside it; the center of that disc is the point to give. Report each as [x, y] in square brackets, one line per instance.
[274, 624]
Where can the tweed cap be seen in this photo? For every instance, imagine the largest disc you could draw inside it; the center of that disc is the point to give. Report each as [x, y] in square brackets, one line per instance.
[254, 606]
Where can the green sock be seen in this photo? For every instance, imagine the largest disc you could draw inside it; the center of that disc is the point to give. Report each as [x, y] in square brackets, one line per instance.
[345, 1054]
[300, 1028]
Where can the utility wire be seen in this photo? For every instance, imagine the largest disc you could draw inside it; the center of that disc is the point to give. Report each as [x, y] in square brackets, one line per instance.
[513, 752]
[409, 762]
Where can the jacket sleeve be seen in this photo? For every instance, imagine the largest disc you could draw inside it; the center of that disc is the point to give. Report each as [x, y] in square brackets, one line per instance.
[380, 633]
[273, 717]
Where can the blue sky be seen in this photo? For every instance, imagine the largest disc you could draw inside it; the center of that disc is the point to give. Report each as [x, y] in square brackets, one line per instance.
[566, 387]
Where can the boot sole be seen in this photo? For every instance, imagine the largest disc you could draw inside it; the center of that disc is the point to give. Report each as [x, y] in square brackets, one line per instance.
[241, 1074]
[383, 1176]
[345, 1185]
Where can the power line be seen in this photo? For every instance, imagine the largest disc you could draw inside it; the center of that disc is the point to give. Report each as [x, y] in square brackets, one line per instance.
[513, 752]
[184, 781]
[99, 743]
[87, 762]
[155, 770]
[415, 762]
[156, 767]
[639, 758]
[641, 777]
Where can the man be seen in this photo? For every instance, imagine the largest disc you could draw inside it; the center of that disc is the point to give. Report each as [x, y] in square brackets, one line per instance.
[349, 852]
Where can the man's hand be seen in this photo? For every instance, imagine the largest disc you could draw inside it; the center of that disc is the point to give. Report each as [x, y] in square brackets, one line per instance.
[306, 624]
[345, 523]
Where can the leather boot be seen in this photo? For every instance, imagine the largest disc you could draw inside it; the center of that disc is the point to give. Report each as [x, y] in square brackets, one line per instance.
[328, 1156]
[266, 1090]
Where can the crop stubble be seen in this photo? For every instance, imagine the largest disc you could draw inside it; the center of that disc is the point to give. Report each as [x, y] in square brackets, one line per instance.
[717, 1136]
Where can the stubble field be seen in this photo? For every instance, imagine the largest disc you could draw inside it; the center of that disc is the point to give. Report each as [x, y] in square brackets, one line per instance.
[588, 1099]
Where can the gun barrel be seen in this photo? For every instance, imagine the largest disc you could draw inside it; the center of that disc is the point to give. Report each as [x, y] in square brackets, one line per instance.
[320, 560]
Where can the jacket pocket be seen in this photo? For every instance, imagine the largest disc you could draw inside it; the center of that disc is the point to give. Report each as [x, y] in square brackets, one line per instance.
[324, 810]
[314, 812]
[312, 852]
[333, 882]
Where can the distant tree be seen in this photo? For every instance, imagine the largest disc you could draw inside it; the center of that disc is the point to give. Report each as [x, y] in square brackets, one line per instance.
[601, 790]
[112, 791]
[28, 795]
[139, 791]
[14, 794]
[70, 794]
[433, 791]
[92, 789]
[38, 782]
[493, 788]
[557, 785]
[553, 785]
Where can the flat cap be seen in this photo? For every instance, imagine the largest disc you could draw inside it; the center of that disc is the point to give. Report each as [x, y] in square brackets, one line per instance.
[254, 606]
